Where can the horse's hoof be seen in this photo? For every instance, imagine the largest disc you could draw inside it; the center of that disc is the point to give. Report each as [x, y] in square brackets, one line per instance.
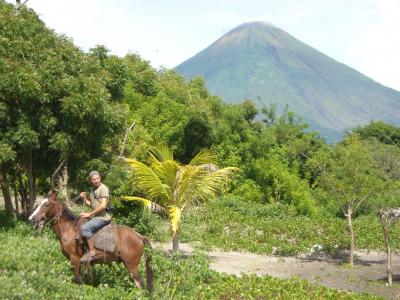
[78, 280]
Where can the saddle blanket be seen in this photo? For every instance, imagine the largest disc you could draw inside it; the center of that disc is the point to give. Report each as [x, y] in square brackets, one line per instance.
[105, 238]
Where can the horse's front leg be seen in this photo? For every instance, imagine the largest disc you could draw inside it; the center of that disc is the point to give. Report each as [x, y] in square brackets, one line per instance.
[77, 270]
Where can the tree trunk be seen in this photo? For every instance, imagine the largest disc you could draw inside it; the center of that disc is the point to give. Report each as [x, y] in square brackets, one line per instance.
[6, 192]
[24, 196]
[352, 243]
[63, 183]
[31, 184]
[388, 253]
[15, 194]
[175, 242]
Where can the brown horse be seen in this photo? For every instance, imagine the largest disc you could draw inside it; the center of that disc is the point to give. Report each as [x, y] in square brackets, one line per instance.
[129, 244]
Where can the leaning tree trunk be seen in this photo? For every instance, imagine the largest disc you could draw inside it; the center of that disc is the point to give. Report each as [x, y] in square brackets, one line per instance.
[6, 192]
[175, 241]
[351, 231]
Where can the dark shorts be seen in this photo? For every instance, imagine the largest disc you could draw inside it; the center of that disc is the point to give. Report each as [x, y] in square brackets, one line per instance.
[91, 227]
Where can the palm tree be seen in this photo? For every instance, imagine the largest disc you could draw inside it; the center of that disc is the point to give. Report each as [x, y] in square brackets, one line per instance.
[173, 186]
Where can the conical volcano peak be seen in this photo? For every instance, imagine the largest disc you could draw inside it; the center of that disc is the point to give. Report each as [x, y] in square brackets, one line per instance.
[256, 25]
[258, 32]
[257, 60]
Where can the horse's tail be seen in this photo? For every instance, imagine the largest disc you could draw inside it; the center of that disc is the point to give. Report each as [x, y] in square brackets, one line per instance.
[149, 271]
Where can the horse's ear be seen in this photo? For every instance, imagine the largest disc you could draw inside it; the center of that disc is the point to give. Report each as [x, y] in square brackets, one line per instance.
[52, 193]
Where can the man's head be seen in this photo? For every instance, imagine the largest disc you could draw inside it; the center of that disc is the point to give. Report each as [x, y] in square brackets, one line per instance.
[95, 178]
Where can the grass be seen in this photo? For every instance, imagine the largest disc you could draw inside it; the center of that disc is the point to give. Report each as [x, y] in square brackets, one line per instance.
[231, 224]
[32, 267]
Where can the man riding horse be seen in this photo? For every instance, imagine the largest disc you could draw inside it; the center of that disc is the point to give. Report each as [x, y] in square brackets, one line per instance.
[98, 201]
[129, 245]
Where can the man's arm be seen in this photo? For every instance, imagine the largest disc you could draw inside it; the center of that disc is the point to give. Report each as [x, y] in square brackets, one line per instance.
[102, 206]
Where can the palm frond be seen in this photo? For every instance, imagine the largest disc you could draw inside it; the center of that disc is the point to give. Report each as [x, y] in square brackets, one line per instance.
[209, 168]
[147, 203]
[187, 179]
[175, 214]
[148, 180]
[205, 156]
[207, 186]
[166, 171]
[153, 161]
[161, 152]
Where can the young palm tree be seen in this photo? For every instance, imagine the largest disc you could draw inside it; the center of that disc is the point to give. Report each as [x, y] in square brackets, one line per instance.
[173, 186]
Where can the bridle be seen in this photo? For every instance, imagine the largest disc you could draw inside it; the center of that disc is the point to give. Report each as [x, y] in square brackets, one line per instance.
[56, 220]
[56, 217]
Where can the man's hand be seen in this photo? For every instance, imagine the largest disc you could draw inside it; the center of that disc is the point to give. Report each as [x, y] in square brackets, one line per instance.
[85, 198]
[85, 215]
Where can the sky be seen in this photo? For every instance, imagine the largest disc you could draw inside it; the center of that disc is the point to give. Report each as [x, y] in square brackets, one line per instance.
[363, 34]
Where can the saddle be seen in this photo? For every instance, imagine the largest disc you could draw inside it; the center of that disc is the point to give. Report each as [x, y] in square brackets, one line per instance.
[104, 239]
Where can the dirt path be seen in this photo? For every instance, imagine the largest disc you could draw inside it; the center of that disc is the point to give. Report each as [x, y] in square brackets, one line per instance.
[368, 275]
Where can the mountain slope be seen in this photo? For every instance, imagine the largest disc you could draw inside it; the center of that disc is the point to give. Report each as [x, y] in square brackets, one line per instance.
[257, 60]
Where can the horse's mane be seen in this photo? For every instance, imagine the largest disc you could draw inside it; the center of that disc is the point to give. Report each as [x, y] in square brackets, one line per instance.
[68, 213]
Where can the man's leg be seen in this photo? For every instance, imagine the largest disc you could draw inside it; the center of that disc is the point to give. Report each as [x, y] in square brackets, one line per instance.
[92, 251]
[89, 229]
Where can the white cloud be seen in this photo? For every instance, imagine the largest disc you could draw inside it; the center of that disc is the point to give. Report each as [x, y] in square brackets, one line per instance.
[377, 52]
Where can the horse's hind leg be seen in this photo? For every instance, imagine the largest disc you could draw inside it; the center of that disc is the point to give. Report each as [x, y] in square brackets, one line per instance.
[130, 249]
[134, 271]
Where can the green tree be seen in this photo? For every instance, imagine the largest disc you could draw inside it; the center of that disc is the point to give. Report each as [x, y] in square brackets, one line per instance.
[385, 133]
[54, 103]
[349, 175]
[173, 186]
[282, 185]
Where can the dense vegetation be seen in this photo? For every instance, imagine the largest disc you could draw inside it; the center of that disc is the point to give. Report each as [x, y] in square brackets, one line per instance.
[274, 229]
[58, 103]
[61, 107]
[26, 272]
[229, 224]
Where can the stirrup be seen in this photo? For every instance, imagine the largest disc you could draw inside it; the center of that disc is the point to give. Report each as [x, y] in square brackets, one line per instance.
[87, 258]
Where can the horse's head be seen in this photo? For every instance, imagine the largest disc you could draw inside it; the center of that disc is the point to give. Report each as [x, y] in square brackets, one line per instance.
[47, 209]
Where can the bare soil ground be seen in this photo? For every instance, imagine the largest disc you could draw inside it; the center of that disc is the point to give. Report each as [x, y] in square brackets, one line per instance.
[367, 276]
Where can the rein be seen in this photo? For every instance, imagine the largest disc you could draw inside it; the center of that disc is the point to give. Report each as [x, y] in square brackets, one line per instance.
[56, 217]
[56, 220]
